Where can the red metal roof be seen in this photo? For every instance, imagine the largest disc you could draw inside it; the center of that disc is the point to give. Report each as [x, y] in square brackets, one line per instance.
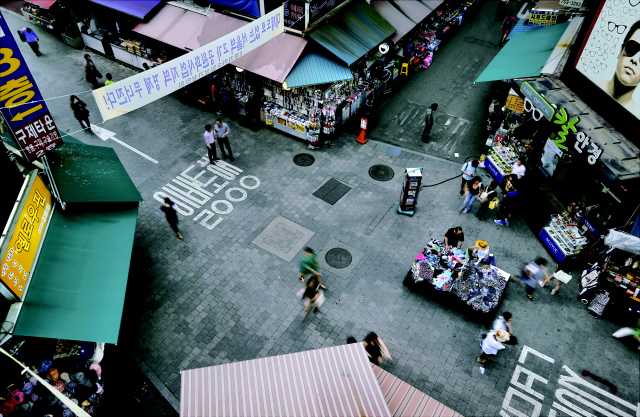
[405, 400]
[334, 381]
[43, 3]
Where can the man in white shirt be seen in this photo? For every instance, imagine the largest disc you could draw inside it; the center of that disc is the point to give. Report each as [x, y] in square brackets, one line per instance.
[492, 344]
[518, 169]
[210, 140]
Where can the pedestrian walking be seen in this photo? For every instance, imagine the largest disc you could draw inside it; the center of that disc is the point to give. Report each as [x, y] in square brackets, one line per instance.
[91, 72]
[312, 296]
[169, 209]
[504, 323]
[454, 238]
[429, 122]
[488, 196]
[109, 78]
[468, 172]
[309, 265]
[471, 191]
[628, 331]
[80, 112]
[221, 132]
[562, 274]
[32, 40]
[507, 25]
[210, 141]
[376, 349]
[491, 344]
[509, 203]
[215, 99]
[532, 273]
[502, 9]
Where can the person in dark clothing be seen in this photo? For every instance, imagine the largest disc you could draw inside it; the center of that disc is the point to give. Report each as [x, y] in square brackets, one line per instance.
[91, 72]
[375, 348]
[81, 112]
[507, 25]
[429, 122]
[169, 209]
[509, 202]
[502, 9]
[486, 197]
[310, 295]
[454, 238]
[32, 40]
[532, 273]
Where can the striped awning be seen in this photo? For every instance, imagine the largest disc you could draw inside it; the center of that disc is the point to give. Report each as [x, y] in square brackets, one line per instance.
[334, 381]
[520, 27]
[315, 69]
[405, 400]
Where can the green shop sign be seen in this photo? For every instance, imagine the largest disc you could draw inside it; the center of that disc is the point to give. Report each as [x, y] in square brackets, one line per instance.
[539, 103]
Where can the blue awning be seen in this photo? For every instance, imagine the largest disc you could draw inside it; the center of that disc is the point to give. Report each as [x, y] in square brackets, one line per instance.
[314, 69]
[138, 8]
[520, 27]
[353, 32]
[525, 55]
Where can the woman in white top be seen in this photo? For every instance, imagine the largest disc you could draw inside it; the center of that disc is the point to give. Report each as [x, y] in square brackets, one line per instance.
[562, 277]
[519, 169]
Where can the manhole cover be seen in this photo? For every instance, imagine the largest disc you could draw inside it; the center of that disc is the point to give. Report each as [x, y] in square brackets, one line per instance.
[381, 173]
[304, 159]
[444, 120]
[338, 258]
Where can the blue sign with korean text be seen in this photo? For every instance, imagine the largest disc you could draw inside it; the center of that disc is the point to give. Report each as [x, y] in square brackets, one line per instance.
[21, 102]
[493, 170]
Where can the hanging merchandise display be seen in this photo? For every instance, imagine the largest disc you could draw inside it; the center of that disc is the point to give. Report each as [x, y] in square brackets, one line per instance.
[56, 18]
[473, 287]
[566, 234]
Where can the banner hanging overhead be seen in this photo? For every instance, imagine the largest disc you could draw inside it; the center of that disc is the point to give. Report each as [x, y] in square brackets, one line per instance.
[141, 89]
[21, 103]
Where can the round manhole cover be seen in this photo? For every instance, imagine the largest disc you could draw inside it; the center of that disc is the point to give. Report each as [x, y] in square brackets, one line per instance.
[444, 120]
[304, 159]
[381, 173]
[338, 258]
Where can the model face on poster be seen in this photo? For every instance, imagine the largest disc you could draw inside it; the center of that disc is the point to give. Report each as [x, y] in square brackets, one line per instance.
[626, 78]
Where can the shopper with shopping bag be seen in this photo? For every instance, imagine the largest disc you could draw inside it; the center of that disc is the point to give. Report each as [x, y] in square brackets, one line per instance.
[312, 295]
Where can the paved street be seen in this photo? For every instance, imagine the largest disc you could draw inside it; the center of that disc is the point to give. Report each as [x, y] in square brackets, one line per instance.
[227, 292]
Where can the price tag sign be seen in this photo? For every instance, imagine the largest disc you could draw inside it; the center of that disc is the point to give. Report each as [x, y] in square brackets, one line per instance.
[515, 103]
[571, 3]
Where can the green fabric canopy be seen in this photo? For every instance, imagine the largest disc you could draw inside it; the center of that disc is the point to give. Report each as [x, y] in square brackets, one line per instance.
[86, 173]
[78, 286]
[353, 32]
[524, 55]
[314, 69]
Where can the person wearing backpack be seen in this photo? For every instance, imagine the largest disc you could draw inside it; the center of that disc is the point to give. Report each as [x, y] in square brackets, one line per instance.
[468, 172]
[486, 197]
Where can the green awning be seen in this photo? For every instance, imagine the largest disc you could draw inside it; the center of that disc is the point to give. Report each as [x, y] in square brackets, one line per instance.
[78, 286]
[353, 32]
[314, 69]
[524, 55]
[86, 173]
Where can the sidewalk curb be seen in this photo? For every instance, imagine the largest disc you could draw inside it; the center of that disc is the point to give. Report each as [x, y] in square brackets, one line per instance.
[11, 12]
[164, 391]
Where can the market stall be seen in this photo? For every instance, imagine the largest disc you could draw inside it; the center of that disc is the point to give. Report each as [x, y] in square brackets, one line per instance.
[567, 233]
[55, 17]
[474, 289]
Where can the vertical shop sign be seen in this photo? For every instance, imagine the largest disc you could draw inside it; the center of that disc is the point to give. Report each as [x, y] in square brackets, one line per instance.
[294, 14]
[538, 102]
[23, 241]
[21, 103]
[582, 143]
[146, 87]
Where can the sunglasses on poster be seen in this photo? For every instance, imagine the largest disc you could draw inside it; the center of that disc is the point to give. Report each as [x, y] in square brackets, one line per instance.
[612, 26]
[634, 3]
[630, 48]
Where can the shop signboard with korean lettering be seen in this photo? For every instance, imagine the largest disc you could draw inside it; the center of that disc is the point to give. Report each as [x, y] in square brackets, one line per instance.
[24, 238]
[538, 102]
[21, 103]
[319, 8]
[146, 87]
[582, 142]
[541, 17]
[294, 14]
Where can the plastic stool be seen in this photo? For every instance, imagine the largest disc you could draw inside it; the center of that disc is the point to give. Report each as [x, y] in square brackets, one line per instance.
[405, 69]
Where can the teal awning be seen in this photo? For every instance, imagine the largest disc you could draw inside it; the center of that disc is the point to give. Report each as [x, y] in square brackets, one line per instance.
[314, 68]
[521, 27]
[86, 173]
[524, 55]
[78, 286]
[353, 32]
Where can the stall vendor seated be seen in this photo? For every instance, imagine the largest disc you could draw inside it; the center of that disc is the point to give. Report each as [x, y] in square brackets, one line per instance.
[454, 238]
[479, 251]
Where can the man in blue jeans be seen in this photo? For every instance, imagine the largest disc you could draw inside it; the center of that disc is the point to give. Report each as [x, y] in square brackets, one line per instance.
[221, 132]
[468, 172]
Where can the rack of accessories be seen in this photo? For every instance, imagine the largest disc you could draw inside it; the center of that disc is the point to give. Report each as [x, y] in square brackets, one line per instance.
[564, 235]
[39, 15]
[295, 111]
[505, 150]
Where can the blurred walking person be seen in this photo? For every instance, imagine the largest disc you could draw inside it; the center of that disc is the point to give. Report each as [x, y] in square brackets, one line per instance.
[169, 209]
[312, 296]
[376, 349]
[309, 265]
[532, 273]
[80, 112]
[32, 39]
[491, 344]
[91, 72]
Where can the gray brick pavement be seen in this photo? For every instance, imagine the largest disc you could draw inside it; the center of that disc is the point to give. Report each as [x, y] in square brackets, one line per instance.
[216, 297]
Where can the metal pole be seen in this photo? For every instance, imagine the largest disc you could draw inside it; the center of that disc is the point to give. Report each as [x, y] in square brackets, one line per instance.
[54, 187]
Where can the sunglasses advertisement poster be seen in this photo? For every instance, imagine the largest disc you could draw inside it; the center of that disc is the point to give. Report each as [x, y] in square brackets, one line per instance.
[610, 56]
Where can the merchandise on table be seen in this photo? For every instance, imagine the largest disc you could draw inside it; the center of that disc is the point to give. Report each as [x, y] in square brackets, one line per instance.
[446, 270]
[39, 15]
[566, 233]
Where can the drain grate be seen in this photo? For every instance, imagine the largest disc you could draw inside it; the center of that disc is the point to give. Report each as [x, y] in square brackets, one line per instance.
[480, 42]
[381, 173]
[332, 191]
[304, 159]
[338, 258]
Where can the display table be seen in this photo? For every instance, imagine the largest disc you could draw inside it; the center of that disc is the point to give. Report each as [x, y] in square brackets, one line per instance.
[475, 291]
[93, 43]
[127, 57]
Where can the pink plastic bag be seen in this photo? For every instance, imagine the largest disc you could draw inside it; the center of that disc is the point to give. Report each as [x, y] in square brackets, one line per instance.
[427, 61]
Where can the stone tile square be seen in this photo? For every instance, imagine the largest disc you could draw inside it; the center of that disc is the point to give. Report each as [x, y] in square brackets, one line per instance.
[381, 147]
[283, 238]
[332, 191]
[394, 150]
[347, 272]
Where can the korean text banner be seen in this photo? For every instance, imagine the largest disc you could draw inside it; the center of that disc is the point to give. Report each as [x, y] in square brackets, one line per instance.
[141, 89]
[21, 102]
[25, 239]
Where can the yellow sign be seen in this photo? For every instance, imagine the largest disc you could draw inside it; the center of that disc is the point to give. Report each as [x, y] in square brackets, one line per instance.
[515, 103]
[28, 227]
[300, 127]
